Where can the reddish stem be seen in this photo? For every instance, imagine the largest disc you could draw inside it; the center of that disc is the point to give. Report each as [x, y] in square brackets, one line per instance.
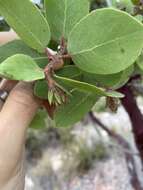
[135, 115]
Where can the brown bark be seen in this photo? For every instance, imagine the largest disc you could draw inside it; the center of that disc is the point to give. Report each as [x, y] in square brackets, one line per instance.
[135, 115]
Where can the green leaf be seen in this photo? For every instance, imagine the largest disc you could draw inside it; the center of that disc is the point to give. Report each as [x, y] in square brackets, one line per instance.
[113, 81]
[69, 71]
[39, 121]
[114, 94]
[106, 41]
[50, 97]
[19, 47]
[41, 89]
[126, 74]
[57, 98]
[74, 110]
[101, 80]
[28, 22]
[86, 87]
[62, 15]
[21, 67]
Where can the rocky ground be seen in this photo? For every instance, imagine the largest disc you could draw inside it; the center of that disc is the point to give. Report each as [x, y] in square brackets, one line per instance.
[87, 159]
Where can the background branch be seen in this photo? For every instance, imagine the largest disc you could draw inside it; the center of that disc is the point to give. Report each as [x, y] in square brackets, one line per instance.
[128, 156]
[135, 115]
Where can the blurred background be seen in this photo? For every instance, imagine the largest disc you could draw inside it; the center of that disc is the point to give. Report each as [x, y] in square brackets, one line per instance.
[97, 153]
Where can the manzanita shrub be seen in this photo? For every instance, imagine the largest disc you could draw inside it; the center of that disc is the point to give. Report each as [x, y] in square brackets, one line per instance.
[74, 56]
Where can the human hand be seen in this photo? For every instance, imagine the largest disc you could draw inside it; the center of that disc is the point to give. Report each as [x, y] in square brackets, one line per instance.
[15, 116]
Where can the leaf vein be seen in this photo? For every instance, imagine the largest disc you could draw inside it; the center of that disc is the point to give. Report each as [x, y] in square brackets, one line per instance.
[24, 26]
[105, 43]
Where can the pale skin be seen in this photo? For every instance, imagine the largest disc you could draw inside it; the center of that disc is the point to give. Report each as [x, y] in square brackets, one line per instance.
[15, 116]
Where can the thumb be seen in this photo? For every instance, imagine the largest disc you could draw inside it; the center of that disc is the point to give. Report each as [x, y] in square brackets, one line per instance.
[20, 106]
[16, 115]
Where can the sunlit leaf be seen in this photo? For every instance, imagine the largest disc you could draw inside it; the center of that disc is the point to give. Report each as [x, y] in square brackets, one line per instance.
[28, 22]
[21, 67]
[62, 15]
[106, 41]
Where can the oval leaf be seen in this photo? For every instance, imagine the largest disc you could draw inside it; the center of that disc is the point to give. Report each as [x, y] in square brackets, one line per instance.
[28, 22]
[62, 15]
[21, 67]
[106, 41]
